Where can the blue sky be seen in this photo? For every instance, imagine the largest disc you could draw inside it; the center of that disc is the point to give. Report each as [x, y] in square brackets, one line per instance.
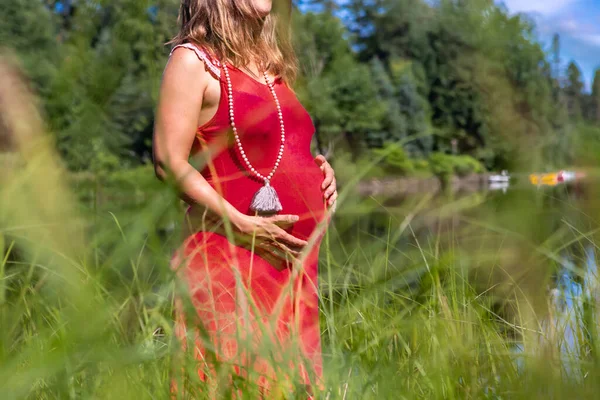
[577, 22]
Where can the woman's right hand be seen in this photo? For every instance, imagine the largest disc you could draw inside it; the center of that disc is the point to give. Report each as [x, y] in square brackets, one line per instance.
[269, 233]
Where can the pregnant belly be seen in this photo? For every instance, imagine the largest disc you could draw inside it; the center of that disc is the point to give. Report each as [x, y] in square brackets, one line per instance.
[297, 182]
[300, 194]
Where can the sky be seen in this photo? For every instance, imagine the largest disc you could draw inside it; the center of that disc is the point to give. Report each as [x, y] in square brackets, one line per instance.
[577, 22]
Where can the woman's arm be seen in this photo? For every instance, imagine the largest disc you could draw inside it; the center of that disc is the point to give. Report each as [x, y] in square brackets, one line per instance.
[178, 115]
[184, 83]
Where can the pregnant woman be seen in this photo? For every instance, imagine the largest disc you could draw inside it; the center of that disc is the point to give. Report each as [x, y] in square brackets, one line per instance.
[259, 203]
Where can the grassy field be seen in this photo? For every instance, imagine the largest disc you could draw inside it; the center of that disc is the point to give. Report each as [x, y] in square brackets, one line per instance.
[456, 299]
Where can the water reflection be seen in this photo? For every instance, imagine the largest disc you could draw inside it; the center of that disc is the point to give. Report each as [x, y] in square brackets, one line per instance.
[515, 240]
[574, 300]
[500, 186]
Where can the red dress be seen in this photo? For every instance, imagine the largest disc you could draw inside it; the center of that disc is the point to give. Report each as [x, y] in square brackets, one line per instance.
[245, 299]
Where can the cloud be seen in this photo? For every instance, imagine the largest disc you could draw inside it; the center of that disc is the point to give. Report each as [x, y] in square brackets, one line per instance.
[574, 25]
[568, 24]
[576, 21]
[543, 7]
[593, 39]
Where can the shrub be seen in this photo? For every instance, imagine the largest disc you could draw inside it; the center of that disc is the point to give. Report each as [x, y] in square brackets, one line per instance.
[465, 165]
[421, 165]
[395, 160]
[348, 170]
[441, 165]
[445, 165]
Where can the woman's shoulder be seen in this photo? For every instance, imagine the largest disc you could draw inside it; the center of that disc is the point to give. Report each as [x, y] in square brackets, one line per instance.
[190, 53]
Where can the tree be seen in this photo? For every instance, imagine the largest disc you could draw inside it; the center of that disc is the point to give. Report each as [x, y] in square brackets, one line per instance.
[29, 27]
[393, 127]
[337, 90]
[371, 72]
[414, 107]
[574, 90]
[595, 103]
[103, 99]
[407, 110]
[486, 92]
[555, 69]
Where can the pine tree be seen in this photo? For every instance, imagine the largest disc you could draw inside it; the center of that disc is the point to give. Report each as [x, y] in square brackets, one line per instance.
[595, 103]
[415, 110]
[574, 90]
[394, 126]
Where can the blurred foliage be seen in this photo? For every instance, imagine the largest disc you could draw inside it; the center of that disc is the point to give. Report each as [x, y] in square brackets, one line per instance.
[97, 66]
[444, 165]
[427, 299]
[395, 159]
[462, 77]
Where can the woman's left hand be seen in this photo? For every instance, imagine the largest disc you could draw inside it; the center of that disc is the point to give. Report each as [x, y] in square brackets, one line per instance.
[329, 184]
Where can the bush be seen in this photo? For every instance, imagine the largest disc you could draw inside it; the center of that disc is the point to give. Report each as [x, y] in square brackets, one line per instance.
[395, 160]
[421, 165]
[465, 165]
[348, 170]
[422, 168]
[441, 165]
[445, 165]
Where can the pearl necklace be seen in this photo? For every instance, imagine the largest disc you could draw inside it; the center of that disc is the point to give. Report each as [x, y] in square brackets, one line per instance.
[265, 201]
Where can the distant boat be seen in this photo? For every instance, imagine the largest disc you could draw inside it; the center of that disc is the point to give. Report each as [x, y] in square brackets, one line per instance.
[502, 178]
[566, 176]
[552, 178]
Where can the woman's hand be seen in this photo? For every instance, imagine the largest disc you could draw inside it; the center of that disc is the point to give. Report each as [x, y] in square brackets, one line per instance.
[329, 184]
[269, 233]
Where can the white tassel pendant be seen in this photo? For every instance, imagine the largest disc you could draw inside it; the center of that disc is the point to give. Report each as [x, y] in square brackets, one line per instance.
[266, 201]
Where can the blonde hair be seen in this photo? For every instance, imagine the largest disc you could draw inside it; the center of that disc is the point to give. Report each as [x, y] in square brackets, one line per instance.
[233, 31]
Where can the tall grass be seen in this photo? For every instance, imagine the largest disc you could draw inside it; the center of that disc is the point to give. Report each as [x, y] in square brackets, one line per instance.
[421, 299]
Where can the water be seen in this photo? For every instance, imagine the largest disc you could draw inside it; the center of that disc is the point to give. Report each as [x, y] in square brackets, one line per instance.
[541, 240]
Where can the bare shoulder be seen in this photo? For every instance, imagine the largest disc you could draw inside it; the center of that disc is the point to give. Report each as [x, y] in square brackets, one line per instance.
[189, 88]
[185, 66]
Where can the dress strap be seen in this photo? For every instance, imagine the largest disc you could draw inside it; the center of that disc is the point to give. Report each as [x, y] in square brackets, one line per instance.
[213, 65]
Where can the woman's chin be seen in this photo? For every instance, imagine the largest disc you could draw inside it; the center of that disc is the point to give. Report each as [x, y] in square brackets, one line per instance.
[263, 7]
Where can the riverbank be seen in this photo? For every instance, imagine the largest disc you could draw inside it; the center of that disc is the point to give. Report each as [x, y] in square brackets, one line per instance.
[399, 186]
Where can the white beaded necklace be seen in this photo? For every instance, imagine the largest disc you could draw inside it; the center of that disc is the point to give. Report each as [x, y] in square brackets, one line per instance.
[265, 201]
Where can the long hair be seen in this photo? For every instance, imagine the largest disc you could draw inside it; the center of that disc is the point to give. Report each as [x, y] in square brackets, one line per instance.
[233, 31]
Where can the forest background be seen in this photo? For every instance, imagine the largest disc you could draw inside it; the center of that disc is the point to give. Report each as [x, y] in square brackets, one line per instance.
[444, 87]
